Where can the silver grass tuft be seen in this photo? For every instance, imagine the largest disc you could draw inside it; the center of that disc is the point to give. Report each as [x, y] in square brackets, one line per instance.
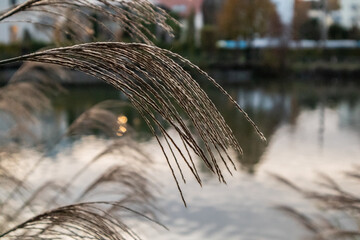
[132, 16]
[332, 198]
[78, 221]
[157, 85]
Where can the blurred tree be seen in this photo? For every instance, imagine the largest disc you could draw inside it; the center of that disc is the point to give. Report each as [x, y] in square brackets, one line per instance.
[354, 33]
[246, 19]
[333, 5]
[208, 38]
[337, 31]
[210, 9]
[276, 27]
[26, 36]
[300, 17]
[190, 31]
[310, 29]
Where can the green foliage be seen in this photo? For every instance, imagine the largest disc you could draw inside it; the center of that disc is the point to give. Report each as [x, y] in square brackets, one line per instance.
[336, 31]
[190, 31]
[209, 38]
[310, 30]
[16, 49]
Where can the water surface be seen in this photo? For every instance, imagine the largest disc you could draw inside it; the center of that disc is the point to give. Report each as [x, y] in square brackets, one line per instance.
[311, 127]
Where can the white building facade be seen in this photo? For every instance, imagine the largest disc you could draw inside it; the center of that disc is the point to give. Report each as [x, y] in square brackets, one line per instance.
[349, 13]
[14, 31]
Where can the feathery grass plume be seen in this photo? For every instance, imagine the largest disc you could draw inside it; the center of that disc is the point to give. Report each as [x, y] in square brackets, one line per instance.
[21, 103]
[77, 221]
[100, 117]
[50, 76]
[131, 180]
[29, 203]
[157, 85]
[134, 187]
[6, 178]
[27, 93]
[25, 96]
[124, 146]
[22, 99]
[132, 16]
[333, 197]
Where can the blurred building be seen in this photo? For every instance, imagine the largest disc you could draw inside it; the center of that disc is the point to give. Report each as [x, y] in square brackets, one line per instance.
[349, 13]
[185, 9]
[16, 31]
[210, 9]
[345, 13]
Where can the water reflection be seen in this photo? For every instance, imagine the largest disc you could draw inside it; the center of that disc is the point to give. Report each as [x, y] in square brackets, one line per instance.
[270, 106]
[276, 105]
[309, 128]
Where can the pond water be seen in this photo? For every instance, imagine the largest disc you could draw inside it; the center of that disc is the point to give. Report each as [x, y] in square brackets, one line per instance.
[311, 127]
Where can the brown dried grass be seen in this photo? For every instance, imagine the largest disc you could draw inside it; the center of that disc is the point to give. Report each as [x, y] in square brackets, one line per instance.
[157, 85]
[331, 197]
[132, 16]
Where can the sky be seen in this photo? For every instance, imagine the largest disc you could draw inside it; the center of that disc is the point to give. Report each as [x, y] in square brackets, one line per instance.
[285, 9]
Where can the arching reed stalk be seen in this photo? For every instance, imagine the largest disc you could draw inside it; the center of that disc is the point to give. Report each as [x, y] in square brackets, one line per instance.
[101, 118]
[78, 221]
[26, 95]
[22, 99]
[157, 85]
[130, 185]
[332, 197]
[133, 184]
[28, 203]
[119, 145]
[132, 16]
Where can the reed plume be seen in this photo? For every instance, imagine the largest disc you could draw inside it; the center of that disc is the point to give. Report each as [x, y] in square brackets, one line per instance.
[157, 85]
[132, 16]
[134, 186]
[122, 146]
[22, 99]
[100, 117]
[27, 95]
[78, 221]
[333, 197]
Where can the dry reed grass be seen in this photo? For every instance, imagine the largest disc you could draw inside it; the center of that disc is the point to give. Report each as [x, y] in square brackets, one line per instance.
[100, 117]
[132, 16]
[157, 85]
[78, 221]
[332, 198]
[26, 96]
